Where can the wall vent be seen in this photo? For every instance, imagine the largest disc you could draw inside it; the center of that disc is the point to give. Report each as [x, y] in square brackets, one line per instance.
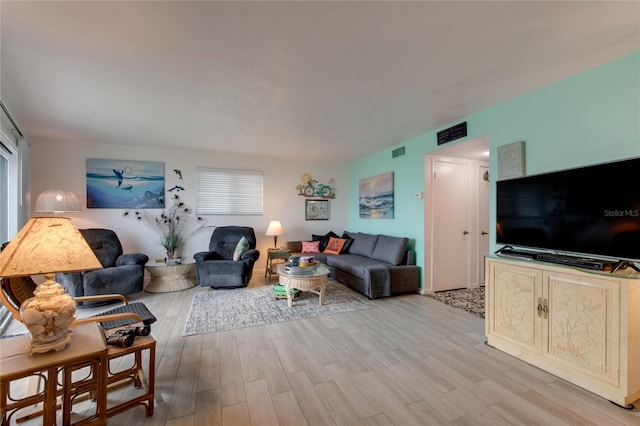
[397, 152]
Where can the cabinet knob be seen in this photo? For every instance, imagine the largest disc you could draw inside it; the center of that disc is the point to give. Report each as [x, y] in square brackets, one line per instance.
[542, 308]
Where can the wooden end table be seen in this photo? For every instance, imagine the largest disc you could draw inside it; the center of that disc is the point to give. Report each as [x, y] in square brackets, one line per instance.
[309, 282]
[87, 348]
[136, 373]
[275, 253]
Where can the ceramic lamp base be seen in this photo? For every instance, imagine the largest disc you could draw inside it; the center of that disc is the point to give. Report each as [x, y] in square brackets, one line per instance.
[40, 348]
[47, 316]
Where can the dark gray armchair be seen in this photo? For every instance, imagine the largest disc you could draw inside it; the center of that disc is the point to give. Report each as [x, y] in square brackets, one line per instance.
[121, 274]
[216, 267]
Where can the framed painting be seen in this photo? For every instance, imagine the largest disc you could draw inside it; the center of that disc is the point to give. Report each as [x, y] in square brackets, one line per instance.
[125, 184]
[316, 209]
[376, 197]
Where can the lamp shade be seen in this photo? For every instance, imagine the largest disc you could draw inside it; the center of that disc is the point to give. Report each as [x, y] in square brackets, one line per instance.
[275, 228]
[47, 245]
[57, 200]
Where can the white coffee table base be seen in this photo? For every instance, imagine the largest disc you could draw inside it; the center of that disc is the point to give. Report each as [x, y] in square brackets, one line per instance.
[304, 283]
[169, 278]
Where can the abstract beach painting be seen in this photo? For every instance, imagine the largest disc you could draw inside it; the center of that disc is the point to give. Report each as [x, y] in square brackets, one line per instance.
[376, 197]
[125, 184]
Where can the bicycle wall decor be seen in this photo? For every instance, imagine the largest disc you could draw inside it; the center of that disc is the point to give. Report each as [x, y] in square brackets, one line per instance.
[310, 187]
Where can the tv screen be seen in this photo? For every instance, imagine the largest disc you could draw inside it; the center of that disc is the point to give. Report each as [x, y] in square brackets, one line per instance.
[592, 211]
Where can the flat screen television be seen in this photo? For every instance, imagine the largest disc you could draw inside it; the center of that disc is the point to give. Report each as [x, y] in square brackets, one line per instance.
[589, 211]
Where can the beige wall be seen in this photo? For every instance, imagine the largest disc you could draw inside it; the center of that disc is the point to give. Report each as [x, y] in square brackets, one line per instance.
[63, 165]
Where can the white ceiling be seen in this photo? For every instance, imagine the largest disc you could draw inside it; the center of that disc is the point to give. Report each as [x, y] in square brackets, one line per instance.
[330, 79]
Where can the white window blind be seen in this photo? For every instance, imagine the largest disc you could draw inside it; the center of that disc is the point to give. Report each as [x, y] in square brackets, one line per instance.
[228, 192]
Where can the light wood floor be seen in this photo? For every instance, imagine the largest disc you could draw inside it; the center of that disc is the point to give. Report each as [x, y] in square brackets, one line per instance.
[409, 361]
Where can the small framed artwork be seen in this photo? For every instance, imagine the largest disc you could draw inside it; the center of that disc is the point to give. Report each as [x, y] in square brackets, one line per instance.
[316, 209]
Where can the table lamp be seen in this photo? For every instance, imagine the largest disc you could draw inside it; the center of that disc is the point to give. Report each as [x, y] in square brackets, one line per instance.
[57, 200]
[46, 245]
[275, 228]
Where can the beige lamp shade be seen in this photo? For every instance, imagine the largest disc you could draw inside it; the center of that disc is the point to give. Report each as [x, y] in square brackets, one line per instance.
[274, 229]
[57, 200]
[47, 245]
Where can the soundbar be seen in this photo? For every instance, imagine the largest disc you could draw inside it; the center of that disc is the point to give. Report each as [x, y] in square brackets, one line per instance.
[581, 262]
[562, 259]
[520, 254]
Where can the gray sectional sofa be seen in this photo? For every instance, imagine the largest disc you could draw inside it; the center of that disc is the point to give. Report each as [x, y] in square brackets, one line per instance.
[374, 265]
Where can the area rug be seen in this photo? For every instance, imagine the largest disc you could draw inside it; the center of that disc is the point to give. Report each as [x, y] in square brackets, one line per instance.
[467, 299]
[218, 310]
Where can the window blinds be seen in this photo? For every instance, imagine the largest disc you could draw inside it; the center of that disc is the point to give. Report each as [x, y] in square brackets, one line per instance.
[228, 192]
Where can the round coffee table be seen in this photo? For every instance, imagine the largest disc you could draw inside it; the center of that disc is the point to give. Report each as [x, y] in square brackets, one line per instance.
[168, 278]
[306, 282]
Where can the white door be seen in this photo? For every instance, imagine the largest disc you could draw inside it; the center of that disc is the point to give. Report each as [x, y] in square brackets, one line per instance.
[483, 218]
[451, 235]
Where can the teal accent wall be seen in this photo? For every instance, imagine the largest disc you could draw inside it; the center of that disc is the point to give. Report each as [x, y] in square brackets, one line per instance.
[590, 118]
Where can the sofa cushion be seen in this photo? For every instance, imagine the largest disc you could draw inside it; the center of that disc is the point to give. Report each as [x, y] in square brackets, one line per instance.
[352, 264]
[363, 244]
[390, 249]
[294, 246]
[334, 246]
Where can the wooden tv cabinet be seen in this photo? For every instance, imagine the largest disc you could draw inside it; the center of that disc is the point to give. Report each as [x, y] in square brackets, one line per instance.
[581, 325]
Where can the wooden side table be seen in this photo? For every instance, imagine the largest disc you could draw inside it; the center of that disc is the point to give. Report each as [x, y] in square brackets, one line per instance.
[133, 372]
[86, 349]
[166, 278]
[272, 254]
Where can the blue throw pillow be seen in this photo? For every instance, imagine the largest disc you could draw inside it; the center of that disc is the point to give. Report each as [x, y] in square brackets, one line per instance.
[243, 245]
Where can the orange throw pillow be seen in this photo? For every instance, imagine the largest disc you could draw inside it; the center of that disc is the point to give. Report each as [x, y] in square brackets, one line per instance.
[334, 246]
[311, 247]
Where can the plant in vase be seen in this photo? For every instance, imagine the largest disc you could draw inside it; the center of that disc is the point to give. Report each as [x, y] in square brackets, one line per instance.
[172, 225]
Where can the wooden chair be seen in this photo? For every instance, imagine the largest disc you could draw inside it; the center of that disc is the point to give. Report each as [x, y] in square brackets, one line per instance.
[16, 290]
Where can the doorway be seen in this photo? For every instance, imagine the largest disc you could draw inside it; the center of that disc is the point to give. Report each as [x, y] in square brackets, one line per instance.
[456, 215]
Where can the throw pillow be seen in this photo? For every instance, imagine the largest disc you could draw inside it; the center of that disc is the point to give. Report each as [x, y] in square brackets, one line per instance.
[335, 245]
[243, 245]
[324, 239]
[347, 244]
[311, 247]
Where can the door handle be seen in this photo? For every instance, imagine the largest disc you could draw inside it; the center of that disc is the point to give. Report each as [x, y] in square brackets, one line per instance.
[484, 233]
[465, 232]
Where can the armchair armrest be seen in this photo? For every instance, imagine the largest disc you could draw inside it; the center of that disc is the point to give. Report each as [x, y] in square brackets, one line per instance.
[110, 317]
[251, 254]
[72, 283]
[409, 258]
[203, 256]
[101, 297]
[124, 315]
[132, 259]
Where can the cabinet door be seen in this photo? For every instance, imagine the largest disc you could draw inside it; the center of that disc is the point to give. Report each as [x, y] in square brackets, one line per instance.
[584, 324]
[512, 300]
